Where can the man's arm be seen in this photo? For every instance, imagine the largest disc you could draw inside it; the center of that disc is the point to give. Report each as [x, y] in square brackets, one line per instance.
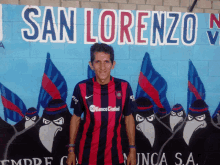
[130, 129]
[74, 126]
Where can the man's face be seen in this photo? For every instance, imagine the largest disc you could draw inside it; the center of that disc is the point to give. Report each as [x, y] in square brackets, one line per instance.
[102, 66]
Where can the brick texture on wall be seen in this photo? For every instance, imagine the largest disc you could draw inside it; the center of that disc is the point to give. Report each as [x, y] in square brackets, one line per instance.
[202, 6]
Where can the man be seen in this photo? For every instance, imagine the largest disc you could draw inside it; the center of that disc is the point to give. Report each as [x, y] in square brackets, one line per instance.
[104, 100]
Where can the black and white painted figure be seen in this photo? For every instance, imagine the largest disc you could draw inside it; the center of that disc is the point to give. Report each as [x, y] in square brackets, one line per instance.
[47, 138]
[195, 141]
[197, 120]
[175, 118]
[31, 116]
[150, 132]
[216, 116]
[7, 131]
[56, 118]
[161, 112]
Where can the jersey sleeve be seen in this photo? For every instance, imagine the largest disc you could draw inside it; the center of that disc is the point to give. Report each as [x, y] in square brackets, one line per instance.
[130, 104]
[77, 102]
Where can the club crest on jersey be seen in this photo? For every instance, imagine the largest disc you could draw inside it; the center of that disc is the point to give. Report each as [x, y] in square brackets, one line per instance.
[118, 94]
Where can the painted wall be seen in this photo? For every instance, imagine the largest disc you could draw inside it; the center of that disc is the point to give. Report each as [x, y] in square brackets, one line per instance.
[29, 33]
[202, 6]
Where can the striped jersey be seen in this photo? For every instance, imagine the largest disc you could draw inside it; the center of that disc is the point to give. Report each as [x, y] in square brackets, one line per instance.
[103, 107]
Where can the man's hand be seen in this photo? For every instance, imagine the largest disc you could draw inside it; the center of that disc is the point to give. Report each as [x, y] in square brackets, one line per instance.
[71, 159]
[74, 126]
[132, 157]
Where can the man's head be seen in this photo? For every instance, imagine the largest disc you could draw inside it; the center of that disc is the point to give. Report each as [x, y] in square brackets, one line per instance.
[102, 61]
[101, 48]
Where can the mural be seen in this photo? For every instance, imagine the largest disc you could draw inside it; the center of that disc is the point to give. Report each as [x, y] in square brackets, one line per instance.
[169, 58]
[215, 116]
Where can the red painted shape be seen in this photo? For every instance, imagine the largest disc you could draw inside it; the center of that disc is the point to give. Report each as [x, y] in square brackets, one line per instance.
[214, 19]
[162, 111]
[31, 113]
[149, 89]
[143, 108]
[176, 109]
[97, 125]
[141, 26]
[86, 125]
[111, 124]
[198, 110]
[124, 28]
[9, 105]
[50, 88]
[88, 25]
[194, 90]
[103, 26]
[55, 109]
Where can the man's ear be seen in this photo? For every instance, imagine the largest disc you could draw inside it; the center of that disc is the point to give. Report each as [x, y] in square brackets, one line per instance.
[91, 66]
[113, 65]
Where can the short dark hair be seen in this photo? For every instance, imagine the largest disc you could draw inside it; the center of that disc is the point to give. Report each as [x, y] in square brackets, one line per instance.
[101, 48]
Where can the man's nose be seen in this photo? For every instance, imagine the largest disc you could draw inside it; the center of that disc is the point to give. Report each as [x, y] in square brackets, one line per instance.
[102, 66]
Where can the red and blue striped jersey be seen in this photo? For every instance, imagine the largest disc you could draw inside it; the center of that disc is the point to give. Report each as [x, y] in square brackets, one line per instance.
[103, 107]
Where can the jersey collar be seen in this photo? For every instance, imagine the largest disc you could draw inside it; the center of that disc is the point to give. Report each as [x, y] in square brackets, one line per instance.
[106, 86]
[111, 80]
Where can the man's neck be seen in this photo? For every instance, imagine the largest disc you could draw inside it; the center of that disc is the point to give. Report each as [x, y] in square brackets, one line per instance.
[103, 82]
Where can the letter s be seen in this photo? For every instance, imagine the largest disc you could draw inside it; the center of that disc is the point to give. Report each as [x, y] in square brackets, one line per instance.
[27, 15]
[176, 155]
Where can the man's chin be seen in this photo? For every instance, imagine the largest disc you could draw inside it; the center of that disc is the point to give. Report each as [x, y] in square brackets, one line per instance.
[103, 77]
[103, 80]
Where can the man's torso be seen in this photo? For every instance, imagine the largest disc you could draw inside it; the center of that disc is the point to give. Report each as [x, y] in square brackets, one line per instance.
[100, 142]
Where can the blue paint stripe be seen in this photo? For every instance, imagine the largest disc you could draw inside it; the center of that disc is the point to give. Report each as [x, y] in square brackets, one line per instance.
[162, 89]
[154, 82]
[150, 74]
[49, 71]
[55, 78]
[60, 86]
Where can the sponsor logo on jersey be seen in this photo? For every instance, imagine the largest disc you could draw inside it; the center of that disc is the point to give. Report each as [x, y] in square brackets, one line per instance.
[74, 99]
[94, 108]
[86, 97]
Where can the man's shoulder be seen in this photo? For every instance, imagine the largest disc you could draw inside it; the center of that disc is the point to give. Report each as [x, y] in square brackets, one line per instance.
[118, 80]
[84, 81]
